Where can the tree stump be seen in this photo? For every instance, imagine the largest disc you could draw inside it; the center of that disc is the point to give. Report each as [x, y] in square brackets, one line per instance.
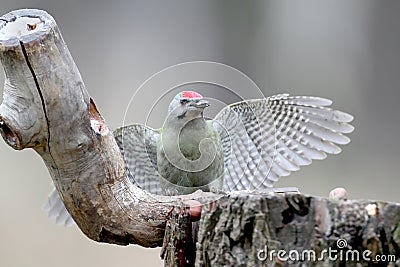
[46, 107]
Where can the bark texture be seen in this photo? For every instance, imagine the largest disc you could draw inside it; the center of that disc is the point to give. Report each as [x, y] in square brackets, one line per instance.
[250, 229]
[46, 107]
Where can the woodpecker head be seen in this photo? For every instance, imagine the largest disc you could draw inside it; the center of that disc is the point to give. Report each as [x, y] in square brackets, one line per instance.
[187, 105]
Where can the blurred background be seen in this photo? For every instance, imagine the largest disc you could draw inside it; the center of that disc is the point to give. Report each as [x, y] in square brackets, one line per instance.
[347, 51]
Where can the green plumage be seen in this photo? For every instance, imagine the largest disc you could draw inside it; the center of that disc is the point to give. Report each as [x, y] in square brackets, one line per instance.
[199, 144]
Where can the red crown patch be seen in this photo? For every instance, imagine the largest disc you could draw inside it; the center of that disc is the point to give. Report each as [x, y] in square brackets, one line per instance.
[191, 94]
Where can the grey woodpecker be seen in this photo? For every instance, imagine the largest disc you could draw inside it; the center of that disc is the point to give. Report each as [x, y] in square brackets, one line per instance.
[248, 145]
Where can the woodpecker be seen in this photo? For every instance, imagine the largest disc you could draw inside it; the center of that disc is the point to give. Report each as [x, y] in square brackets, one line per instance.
[249, 145]
[189, 148]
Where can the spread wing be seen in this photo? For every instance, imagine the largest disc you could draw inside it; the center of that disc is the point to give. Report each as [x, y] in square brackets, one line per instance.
[264, 139]
[138, 147]
[56, 210]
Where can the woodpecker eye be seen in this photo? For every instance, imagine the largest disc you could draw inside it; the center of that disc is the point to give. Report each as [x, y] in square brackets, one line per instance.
[184, 101]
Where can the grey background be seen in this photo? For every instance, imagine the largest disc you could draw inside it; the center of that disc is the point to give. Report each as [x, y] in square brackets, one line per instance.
[343, 50]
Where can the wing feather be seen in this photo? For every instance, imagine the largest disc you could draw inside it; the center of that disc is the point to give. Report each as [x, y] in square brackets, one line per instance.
[138, 147]
[56, 210]
[265, 139]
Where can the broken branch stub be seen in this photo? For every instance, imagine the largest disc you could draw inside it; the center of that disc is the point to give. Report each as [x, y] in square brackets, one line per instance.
[47, 107]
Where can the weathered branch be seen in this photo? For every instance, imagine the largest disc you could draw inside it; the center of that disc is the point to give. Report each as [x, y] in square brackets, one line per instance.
[47, 107]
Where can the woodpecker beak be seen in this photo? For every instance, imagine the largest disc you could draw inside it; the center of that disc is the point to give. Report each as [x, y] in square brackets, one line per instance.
[200, 104]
